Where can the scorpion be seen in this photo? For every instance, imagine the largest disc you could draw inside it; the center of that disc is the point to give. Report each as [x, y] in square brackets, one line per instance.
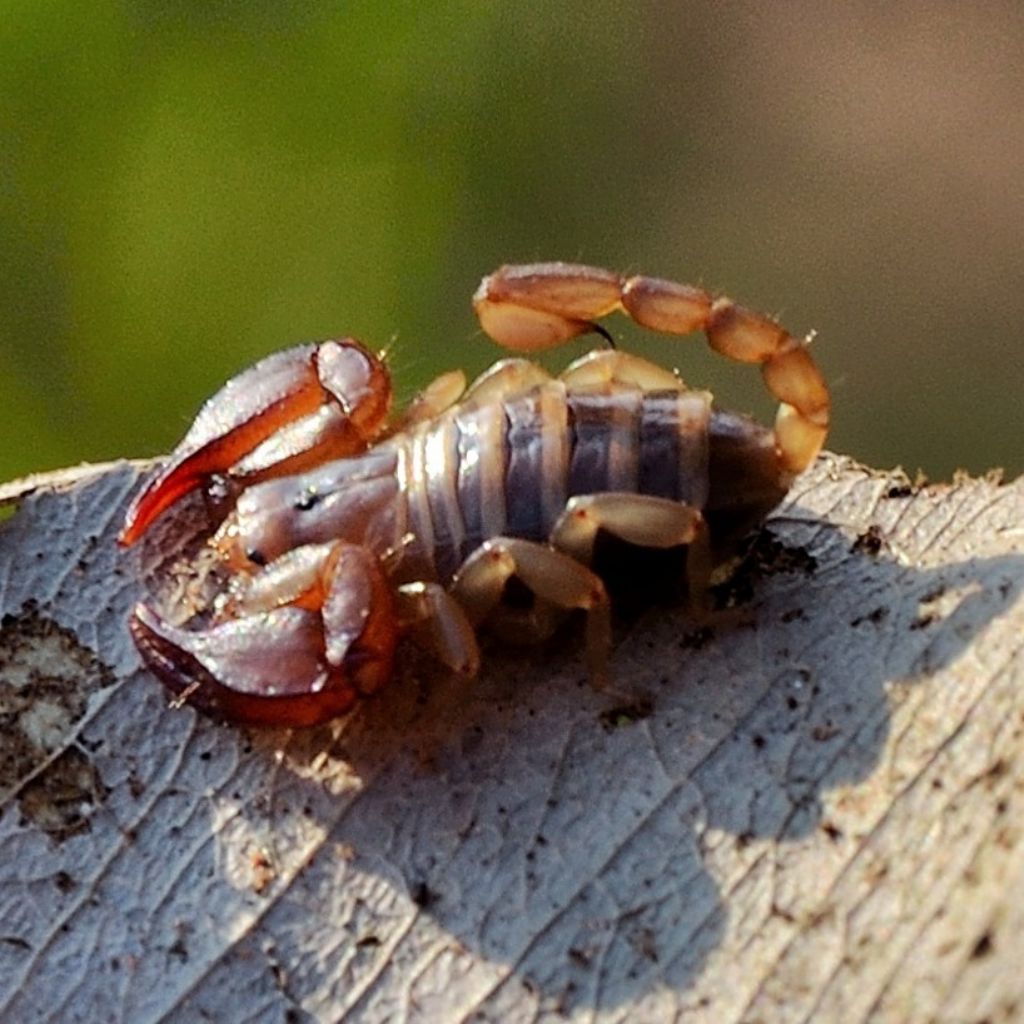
[348, 529]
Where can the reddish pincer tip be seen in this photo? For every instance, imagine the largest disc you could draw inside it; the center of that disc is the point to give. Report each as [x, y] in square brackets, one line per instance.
[133, 528]
[158, 494]
[136, 519]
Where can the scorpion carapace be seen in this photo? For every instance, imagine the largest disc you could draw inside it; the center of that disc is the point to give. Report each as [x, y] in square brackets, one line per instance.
[350, 528]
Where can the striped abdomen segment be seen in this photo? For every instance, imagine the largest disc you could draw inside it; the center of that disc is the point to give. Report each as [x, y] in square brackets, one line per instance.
[509, 467]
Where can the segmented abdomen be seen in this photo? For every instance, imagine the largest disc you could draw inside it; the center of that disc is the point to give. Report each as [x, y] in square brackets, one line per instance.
[508, 468]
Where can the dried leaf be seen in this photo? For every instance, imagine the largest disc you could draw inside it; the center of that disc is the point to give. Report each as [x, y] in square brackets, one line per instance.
[817, 814]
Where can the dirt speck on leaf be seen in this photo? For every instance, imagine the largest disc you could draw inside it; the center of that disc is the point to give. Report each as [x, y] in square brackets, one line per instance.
[61, 799]
[46, 678]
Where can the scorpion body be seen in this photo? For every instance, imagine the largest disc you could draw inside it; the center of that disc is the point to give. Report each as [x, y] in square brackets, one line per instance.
[347, 531]
[509, 468]
[429, 497]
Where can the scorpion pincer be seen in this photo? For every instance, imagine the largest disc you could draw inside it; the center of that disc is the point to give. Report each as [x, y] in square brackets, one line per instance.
[351, 529]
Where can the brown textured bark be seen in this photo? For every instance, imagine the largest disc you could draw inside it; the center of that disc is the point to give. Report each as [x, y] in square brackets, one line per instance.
[808, 809]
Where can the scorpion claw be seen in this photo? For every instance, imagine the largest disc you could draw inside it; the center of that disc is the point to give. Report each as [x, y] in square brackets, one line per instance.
[280, 392]
[262, 670]
[287, 665]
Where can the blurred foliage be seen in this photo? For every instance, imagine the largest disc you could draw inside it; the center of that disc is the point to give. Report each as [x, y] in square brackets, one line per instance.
[184, 187]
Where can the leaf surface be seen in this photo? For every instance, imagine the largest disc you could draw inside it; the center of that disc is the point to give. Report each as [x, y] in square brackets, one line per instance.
[808, 808]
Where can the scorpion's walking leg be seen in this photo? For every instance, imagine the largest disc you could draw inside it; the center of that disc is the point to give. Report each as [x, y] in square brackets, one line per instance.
[552, 576]
[436, 621]
[642, 520]
[604, 367]
[431, 612]
[506, 377]
[439, 395]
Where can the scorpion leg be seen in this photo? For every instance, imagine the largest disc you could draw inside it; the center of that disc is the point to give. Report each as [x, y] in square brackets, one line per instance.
[506, 377]
[615, 367]
[289, 665]
[440, 394]
[644, 521]
[554, 578]
[539, 305]
[429, 610]
[286, 391]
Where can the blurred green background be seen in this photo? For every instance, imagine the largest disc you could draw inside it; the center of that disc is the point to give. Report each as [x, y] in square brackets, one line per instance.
[187, 186]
